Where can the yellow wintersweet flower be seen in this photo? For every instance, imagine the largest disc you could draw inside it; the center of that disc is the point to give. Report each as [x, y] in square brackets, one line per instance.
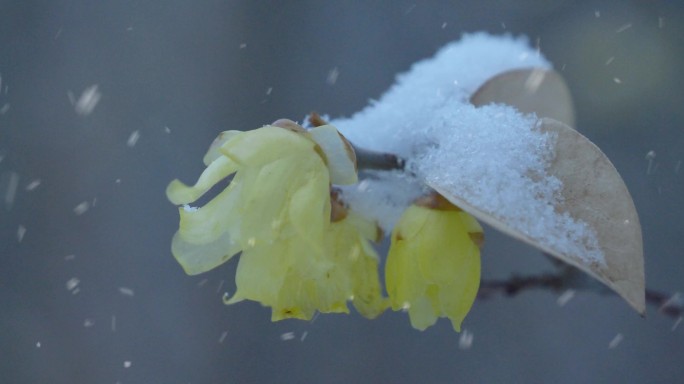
[296, 257]
[433, 265]
[280, 189]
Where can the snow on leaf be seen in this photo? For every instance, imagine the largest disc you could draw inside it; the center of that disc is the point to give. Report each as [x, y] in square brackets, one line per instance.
[537, 180]
[593, 193]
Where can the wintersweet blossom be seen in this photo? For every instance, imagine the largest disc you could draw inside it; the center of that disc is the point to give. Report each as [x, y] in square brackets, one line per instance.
[280, 189]
[296, 257]
[433, 265]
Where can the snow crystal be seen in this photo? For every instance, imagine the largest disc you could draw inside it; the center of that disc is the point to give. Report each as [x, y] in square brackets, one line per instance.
[126, 291]
[81, 208]
[333, 74]
[493, 157]
[188, 208]
[88, 100]
[72, 283]
[133, 138]
[220, 285]
[465, 341]
[21, 231]
[224, 334]
[650, 156]
[565, 297]
[624, 28]
[33, 185]
[287, 336]
[616, 341]
[11, 192]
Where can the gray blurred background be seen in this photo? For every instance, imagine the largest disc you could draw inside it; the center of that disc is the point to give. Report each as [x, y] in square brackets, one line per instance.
[96, 297]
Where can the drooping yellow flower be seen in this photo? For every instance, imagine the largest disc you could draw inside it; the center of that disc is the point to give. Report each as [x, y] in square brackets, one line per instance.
[277, 211]
[280, 188]
[433, 265]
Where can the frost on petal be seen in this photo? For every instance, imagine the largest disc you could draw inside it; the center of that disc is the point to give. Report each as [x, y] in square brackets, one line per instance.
[208, 223]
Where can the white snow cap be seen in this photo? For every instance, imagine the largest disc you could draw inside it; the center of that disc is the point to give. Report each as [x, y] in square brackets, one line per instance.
[491, 156]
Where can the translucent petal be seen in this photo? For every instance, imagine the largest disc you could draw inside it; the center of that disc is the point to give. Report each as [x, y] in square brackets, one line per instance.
[402, 279]
[199, 258]
[267, 192]
[421, 313]
[179, 193]
[436, 270]
[457, 298]
[368, 299]
[260, 275]
[206, 224]
[309, 208]
[214, 151]
[265, 145]
[441, 246]
[339, 155]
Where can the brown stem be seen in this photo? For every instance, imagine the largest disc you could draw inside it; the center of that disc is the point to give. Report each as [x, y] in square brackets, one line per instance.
[366, 159]
[667, 304]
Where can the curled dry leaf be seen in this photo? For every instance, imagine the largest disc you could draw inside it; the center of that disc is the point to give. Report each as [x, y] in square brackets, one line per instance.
[593, 192]
[541, 91]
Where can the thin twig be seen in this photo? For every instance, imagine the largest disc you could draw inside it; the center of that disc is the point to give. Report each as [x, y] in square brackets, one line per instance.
[366, 159]
[670, 305]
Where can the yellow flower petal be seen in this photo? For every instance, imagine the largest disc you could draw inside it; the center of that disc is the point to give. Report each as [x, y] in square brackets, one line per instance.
[179, 193]
[433, 265]
[204, 225]
[265, 145]
[339, 154]
[214, 151]
[199, 258]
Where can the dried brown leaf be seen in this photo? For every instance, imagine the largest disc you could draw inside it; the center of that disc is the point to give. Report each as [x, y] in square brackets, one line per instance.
[537, 90]
[593, 192]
